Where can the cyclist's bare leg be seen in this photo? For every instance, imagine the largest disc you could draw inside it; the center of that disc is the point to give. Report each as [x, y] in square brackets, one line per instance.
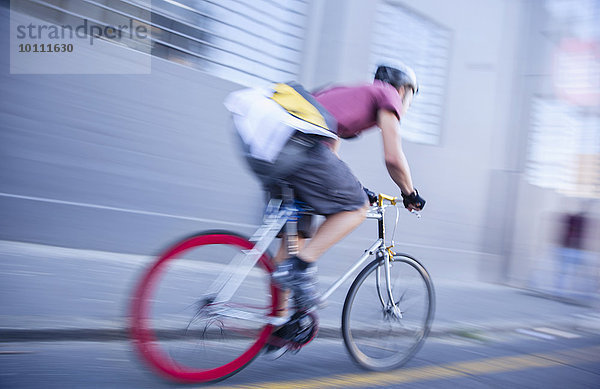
[333, 229]
[329, 233]
[282, 254]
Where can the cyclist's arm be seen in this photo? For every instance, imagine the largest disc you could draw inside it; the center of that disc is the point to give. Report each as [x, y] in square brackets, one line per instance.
[395, 160]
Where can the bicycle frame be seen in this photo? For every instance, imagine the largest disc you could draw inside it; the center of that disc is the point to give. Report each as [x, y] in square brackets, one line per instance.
[277, 215]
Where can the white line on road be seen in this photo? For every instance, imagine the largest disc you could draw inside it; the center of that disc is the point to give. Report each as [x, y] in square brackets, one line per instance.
[134, 211]
[535, 334]
[555, 332]
[213, 221]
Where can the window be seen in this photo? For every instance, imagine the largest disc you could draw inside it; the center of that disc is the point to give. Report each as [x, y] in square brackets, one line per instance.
[245, 41]
[564, 149]
[564, 141]
[403, 35]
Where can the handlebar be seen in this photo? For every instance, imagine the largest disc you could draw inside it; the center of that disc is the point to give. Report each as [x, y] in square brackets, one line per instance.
[371, 195]
[392, 200]
[383, 197]
[380, 198]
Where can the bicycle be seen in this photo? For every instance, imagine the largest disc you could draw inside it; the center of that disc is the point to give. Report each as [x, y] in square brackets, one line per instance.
[189, 335]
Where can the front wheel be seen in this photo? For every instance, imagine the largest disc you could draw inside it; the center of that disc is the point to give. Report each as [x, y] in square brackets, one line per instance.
[381, 334]
[184, 334]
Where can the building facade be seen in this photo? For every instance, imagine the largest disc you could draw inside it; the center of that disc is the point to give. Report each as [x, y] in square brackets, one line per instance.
[130, 162]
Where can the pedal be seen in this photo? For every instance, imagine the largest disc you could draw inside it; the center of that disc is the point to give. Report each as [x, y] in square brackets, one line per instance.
[300, 330]
[308, 326]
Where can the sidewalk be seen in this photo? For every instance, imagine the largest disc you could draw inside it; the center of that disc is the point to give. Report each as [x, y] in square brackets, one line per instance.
[51, 293]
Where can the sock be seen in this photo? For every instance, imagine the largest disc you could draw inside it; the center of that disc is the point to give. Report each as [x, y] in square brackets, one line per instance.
[299, 263]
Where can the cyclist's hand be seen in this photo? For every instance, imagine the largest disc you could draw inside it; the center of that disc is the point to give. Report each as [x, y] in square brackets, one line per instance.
[413, 202]
[371, 195]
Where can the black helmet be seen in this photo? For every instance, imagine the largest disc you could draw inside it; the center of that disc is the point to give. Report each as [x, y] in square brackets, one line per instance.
[397, 75]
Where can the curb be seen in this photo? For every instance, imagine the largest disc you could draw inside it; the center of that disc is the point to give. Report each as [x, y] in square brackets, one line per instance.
[472, 331]
[9, 335]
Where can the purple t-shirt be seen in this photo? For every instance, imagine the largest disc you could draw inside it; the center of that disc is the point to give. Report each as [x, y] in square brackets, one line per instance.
[355, 107]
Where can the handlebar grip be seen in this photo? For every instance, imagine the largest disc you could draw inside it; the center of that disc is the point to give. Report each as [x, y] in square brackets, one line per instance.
[371, 195]
[413, 199]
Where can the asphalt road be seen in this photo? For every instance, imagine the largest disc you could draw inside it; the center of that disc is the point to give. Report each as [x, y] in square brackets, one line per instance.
[45, 287]
[71, 306]
[514, 360]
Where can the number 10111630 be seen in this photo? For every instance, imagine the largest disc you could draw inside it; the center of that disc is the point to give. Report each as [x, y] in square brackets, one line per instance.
[46, 48]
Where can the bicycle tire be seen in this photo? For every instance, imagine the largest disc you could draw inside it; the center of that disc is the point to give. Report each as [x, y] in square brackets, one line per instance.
[158, 339]
[363, 304]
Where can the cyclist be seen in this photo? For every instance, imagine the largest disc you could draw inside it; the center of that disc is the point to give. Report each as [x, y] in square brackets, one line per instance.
[290, 134]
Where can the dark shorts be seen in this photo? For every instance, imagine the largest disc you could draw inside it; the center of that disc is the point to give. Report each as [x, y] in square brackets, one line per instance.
[318, 176]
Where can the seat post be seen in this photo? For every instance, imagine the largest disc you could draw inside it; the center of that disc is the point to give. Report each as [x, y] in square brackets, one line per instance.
[287, 193]
[291, 227]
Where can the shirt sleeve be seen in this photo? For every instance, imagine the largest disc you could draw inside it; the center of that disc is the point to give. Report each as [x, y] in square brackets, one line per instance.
[387, 97]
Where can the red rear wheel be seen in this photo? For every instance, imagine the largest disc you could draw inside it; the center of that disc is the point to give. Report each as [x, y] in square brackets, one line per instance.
[186, 337]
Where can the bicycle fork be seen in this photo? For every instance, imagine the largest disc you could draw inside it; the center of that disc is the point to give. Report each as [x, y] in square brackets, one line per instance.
[390, 308]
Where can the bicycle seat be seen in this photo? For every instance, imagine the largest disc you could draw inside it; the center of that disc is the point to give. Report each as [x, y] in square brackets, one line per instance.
[282, 189]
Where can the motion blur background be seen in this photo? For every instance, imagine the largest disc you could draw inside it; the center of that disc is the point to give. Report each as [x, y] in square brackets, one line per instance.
[503, 138]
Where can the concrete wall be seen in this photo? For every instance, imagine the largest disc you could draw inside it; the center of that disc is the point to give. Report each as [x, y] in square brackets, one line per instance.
[93, 160]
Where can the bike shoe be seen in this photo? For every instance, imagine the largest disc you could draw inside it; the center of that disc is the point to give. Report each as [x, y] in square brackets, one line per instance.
[281, 336]
[299, 329]
[302, 282]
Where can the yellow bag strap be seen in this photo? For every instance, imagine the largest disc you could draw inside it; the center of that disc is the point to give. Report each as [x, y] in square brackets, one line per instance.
[297, 105]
